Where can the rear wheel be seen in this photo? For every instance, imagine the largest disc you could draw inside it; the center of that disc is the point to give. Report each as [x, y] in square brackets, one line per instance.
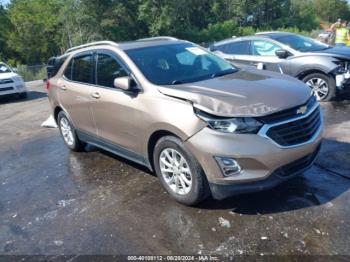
[323, 86]
[179, 172]
[68, 133]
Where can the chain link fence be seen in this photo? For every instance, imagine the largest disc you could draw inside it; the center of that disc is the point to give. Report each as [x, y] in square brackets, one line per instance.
[32, 73]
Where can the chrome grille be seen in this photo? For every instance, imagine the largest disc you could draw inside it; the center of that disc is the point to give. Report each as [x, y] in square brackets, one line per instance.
[6, 81]
[6, 89]
[298, 131]
[288, 113]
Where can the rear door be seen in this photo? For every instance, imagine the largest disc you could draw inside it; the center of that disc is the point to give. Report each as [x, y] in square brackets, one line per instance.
[74, 91]
[237, 52]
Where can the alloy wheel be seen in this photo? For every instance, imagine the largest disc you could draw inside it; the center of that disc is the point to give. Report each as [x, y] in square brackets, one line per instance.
[67, 132]
[175, 171]
[319, 86]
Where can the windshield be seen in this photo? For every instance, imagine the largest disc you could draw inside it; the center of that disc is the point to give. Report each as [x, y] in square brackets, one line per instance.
[178, 63]
[4, 68]
[302, 44]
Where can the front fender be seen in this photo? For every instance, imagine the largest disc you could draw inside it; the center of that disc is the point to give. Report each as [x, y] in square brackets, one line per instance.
[302, 64]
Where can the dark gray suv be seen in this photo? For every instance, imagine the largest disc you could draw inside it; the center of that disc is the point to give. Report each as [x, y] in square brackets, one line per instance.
[322, 67]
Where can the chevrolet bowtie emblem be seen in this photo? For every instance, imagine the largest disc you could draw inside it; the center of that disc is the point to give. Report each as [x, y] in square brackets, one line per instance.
[302, 110]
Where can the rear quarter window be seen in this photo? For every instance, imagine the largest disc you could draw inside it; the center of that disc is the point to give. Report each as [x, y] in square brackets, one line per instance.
[54, 64]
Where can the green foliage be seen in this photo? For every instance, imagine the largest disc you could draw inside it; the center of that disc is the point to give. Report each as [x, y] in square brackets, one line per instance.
[5, 28]
[31, 31]
[29, 74]
[34, 34]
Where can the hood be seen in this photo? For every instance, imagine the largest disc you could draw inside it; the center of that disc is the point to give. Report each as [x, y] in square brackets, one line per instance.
[248, 92]
[342, 51]
[337, 52]
[7, 75]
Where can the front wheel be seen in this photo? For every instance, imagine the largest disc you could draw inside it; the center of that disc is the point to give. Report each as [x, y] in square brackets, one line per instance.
[324, 86]
[179, 172]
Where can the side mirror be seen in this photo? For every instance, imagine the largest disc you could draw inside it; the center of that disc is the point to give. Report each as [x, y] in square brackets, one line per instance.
[15, 70]
[125, 83]
[281, 53]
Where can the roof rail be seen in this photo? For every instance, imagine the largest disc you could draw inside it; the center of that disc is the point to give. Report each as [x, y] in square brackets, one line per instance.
[267, 32]
[158, 38]
[91, 44]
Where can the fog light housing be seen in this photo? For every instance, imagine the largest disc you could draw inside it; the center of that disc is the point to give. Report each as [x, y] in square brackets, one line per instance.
[229, 166]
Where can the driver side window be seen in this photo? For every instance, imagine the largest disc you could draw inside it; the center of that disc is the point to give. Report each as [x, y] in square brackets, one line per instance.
[264, 48]
[107, 70]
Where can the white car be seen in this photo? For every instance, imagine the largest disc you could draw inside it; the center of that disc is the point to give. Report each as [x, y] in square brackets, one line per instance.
[11, 83]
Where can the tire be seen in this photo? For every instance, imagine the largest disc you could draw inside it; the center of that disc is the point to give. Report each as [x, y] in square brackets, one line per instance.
[199, 189]
[23, 95]
[327, 82]
[68, 133]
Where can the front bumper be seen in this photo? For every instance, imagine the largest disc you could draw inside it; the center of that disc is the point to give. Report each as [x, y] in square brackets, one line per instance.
[343, 81]
[13, 88]
[260, 158]
[220, 191]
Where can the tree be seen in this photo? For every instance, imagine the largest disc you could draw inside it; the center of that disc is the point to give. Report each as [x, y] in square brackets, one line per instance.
[331, 10]
[5, 28]
[35, 31]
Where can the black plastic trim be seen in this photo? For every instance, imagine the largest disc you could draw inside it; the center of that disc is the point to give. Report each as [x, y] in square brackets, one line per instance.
[113, 148]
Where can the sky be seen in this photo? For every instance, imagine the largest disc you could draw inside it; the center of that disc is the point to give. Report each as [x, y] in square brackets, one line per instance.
[4, 1]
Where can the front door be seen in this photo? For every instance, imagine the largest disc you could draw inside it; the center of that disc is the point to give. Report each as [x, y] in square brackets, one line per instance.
[116, 112]
[263, 53]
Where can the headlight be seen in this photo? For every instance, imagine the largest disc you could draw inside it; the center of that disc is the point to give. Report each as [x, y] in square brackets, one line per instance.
[342, 68]
[238, 125]
[17, 79]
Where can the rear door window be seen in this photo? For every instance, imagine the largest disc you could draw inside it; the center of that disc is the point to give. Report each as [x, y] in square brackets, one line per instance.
[83, 69]
[108, 69]
[239, 48]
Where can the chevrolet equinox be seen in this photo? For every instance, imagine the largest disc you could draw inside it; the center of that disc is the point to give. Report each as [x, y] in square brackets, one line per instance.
[204, 126]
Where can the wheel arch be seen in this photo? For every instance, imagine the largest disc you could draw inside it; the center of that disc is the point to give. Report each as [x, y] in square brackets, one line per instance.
[59, 109]
[152, 141]
[303, 74]
[56, 111]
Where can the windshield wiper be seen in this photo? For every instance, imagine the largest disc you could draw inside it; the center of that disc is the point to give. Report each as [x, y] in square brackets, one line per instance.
[222, 73]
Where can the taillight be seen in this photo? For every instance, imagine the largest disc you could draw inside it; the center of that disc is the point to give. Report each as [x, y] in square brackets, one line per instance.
[47, 85]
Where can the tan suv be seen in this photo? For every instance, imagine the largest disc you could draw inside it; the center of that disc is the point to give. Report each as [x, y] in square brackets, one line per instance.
[204, 126]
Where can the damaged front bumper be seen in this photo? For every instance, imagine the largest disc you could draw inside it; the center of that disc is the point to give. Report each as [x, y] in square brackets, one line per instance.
[343, 80]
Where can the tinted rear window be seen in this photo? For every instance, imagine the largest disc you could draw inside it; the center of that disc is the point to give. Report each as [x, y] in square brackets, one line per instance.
[83, 69]
[240, 48]
[54, 64]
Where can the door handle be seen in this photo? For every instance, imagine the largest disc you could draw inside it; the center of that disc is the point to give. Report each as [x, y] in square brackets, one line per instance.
[259, 65]
[96, 95]
[64, 88]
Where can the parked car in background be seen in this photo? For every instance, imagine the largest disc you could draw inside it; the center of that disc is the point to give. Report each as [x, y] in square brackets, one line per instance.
[11, 83]
[203, 125]
[322, 67]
